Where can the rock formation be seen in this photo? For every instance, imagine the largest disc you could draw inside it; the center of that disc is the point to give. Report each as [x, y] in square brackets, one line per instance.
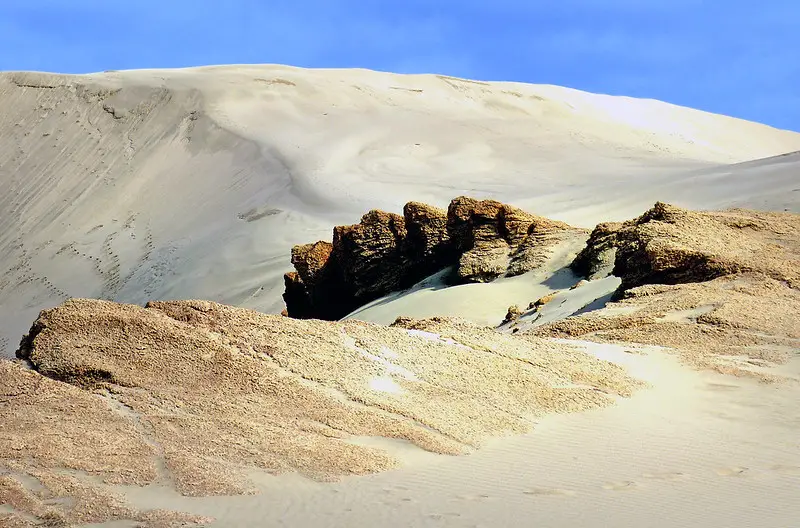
[480, 239]
[597, 258]
[370, 254]
[720, 288]
[514, 312]
[670, 245]
[427, 244]
[193, 395]
[495, 239]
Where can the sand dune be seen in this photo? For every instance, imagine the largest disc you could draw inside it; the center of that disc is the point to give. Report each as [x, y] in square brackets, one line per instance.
[195, 183]
[158, 184]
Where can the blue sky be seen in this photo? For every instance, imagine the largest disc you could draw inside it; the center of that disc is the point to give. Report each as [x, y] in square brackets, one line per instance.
[736, 57]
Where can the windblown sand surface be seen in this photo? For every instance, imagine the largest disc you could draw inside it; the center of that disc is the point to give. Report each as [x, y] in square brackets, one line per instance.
[141, 185]
[697, 449]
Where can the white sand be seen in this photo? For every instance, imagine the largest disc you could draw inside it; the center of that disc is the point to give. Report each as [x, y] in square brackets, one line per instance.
[195, 183]
[483, 303]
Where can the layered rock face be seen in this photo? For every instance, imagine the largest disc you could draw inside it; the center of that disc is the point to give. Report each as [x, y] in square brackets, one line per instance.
[481, 239]
[496, 239]
[670, 245]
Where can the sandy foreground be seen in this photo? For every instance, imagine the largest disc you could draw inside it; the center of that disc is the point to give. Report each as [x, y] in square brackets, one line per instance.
[179, 184]
[690, 447]
[697, 449]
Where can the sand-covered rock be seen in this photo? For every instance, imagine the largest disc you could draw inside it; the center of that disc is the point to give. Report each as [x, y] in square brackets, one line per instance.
[739, 324]
[481, 239]
[60, 448]
[193, 395]
[496, 239]
[722, 288]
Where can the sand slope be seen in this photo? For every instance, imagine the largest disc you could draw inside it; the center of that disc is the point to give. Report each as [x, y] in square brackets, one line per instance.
[195, 183]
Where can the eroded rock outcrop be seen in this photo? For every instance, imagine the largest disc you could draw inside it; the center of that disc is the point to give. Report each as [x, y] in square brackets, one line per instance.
[670, 245]
[427, 244]
[496, 239]
[370, 254]
[720, 288]
[481, 239]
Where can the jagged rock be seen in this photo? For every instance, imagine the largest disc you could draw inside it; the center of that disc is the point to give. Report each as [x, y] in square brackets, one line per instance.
[427, 246]
[670, 245]
[365, 260]
[296, 295]
[481, 239]
[459, 217]
[480, 231]
[370, 254]
[310, 261]
[318, 277]
[498, 239]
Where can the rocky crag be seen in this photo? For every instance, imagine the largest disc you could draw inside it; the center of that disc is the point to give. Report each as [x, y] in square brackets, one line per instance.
[480, 239]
